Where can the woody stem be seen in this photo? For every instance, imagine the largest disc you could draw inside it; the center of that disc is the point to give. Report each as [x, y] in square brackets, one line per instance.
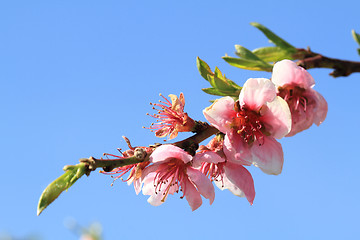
[342, 68]
[191, 144]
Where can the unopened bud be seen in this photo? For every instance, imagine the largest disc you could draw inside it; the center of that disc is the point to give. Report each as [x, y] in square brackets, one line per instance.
[140, 153]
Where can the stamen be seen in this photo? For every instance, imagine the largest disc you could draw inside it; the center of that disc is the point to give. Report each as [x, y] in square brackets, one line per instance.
[248, 126]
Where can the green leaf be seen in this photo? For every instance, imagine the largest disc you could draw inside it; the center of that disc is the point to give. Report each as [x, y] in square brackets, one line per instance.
[217, 92]
[64, 182]
[274, 38]
[203, 68]
[218, 73]
[245, 53]
[213, 91]
[248, 64]
[356, 36]
[221, 86]
[272, 54]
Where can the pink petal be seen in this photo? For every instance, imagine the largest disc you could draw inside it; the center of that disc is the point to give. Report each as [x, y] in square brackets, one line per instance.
[202, 183]
[301, 120]
[176, 103]
[287, 72]
[220, 113]
[167, 151]
[316, 111]
[137, 186]
[149, 169]
[225, 183]
[256, 92]
[269, 157]
[149, 189]
[207, 156]
[242, 179]
[277, 118]
[236, 149]
[157, 197]
[321, 109]
[163, 132]
[192, 195]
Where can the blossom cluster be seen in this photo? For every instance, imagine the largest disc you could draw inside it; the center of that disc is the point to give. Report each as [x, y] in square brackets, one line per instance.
[248, 129]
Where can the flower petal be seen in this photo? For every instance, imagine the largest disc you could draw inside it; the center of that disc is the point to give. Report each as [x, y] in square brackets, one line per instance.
[206, 156]
[321, 109]
[236, 149]
[287, 72]
[202, 183]
[167, 151]
[242, 179]
[277, 118]
[225, 183]
[269, 157]
[192, 195]
[163, 132]
[137, 186]
[149, 189]
[220, 113]
[256, 92]
[176, 103]
[157, 197]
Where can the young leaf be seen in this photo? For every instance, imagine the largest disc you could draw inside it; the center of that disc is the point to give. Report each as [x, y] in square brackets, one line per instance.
[248, 64]
[217, 92]
[213, 91]
[272, 54]
[221, 86]
[54, 189]
[245, 53]
[274, 38]
[356, 36]
[203, 68]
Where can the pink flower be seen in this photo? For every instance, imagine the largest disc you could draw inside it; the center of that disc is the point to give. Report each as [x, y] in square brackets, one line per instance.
[294, 84]
[225, 174]
[171, 117]
[134, 170]
[252, 124]
[171, 172]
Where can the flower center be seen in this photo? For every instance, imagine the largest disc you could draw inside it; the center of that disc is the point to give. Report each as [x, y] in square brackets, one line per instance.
[247, 123]
[214, 171]
[294, 96]
[169, 177]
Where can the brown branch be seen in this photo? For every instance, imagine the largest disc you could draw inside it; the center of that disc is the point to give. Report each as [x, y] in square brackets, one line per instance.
[191, 144]
[109, 164]
[342, 68]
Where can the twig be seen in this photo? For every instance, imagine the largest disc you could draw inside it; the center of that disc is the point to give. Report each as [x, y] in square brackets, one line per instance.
[342, 68]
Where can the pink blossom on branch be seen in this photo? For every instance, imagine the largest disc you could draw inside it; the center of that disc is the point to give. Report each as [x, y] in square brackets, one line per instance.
[171, 117]
[251, 125]
[295, 85]
[226, 175]
[171, 172]
[134, 170]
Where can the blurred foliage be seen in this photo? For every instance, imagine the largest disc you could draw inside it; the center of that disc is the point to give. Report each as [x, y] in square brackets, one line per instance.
[91, 232]
[7, 236]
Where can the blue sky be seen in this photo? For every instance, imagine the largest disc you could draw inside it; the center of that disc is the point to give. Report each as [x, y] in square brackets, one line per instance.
[77, 75]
